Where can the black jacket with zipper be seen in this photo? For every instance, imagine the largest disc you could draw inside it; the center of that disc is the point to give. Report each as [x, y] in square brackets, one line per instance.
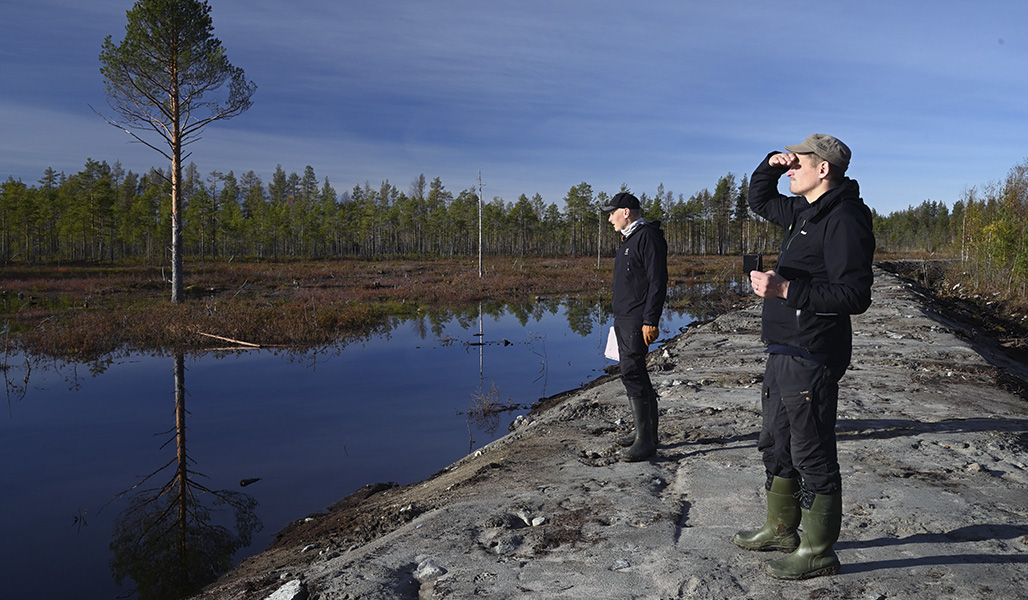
[640, 275]
[826, 255]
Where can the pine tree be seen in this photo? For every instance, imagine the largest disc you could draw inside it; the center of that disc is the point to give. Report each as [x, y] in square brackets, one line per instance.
[161, 78]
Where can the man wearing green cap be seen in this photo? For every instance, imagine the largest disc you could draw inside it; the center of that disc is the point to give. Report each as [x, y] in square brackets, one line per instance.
[822, 276]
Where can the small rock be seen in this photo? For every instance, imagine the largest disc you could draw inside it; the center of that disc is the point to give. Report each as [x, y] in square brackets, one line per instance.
[294, 590]
[428, 569]
[692, 586]
[538, 521]
[620, 565]
[974, 468]
[519, 422]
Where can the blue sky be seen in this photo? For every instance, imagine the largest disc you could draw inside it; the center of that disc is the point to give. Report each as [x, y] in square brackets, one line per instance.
[540, 95]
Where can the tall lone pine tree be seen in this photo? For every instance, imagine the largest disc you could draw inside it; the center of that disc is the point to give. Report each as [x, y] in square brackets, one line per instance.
[159, 79]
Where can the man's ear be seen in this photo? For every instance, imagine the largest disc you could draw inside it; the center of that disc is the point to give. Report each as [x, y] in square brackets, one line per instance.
[824, 169]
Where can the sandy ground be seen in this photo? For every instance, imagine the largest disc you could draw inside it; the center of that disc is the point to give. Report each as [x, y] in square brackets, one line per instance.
[933, 441]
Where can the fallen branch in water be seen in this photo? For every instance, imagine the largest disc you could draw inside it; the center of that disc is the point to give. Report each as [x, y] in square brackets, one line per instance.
[225, 339]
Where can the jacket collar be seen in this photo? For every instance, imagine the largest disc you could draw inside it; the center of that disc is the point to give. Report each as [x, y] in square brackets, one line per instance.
[627, 231]
[848, 190]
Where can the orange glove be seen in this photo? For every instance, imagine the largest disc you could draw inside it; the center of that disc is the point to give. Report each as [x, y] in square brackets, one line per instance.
[650, 334]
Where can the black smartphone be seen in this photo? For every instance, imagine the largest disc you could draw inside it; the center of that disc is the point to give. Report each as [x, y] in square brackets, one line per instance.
[752, 262]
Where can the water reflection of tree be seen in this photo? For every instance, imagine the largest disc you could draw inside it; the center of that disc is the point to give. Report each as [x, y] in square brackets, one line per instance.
[485, 408]
[167, 540]
[583, 314]
[15, 389]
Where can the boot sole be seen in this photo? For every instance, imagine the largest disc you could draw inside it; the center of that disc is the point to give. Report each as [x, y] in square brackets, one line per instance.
[818, 573]
[788, 549]
[638, 457]
[627, 443]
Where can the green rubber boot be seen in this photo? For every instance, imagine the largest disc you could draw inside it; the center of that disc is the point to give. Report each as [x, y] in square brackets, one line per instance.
[814, 557]
[645, 444]
[783, 518]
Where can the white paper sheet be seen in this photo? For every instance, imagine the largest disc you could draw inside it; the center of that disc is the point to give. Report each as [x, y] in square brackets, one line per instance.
[611, 351]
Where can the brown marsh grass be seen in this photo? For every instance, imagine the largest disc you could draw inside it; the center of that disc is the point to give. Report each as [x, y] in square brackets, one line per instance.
[86, 311]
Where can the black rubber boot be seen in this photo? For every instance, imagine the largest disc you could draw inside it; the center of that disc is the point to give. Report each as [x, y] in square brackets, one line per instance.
[645, 445]
[783, 518]
[814, 557]
[628, 440]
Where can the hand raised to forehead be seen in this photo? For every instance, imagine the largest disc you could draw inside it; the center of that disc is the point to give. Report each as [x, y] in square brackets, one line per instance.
[785, 159]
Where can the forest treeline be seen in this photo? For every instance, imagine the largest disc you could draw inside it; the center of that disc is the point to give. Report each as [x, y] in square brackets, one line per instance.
[104, 213]
[986, 230]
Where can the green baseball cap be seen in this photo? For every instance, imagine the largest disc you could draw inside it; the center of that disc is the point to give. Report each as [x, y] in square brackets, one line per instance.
[825, 146]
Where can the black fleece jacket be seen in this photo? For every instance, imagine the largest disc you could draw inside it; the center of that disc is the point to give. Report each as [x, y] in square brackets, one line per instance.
[826, 255]
[640, 275]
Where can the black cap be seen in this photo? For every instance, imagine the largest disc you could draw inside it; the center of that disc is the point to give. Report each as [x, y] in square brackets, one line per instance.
[621, 200]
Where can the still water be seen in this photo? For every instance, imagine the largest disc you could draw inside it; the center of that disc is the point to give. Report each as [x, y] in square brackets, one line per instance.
[90, 452]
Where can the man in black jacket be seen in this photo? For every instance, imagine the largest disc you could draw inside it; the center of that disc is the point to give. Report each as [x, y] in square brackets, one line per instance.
[823, 275]
[640, 288]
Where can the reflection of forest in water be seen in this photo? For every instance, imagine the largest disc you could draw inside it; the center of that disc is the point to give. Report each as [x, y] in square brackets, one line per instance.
[581, 314]
[701, 302]
[175, 531]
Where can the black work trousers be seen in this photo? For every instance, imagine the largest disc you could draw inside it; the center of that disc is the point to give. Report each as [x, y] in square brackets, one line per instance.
[632, 358]
[797, 438]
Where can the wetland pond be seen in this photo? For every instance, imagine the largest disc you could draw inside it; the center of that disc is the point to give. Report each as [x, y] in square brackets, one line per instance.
[93, 454]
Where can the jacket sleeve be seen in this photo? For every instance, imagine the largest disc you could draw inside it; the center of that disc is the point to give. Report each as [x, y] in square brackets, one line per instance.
[764, 198]
[655, 252]
[848, 265]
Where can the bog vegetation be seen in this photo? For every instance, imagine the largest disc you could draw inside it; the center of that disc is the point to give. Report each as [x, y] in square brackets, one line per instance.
[86, 312]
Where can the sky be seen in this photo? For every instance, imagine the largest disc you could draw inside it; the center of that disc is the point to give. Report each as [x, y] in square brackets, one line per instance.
[537, 96]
